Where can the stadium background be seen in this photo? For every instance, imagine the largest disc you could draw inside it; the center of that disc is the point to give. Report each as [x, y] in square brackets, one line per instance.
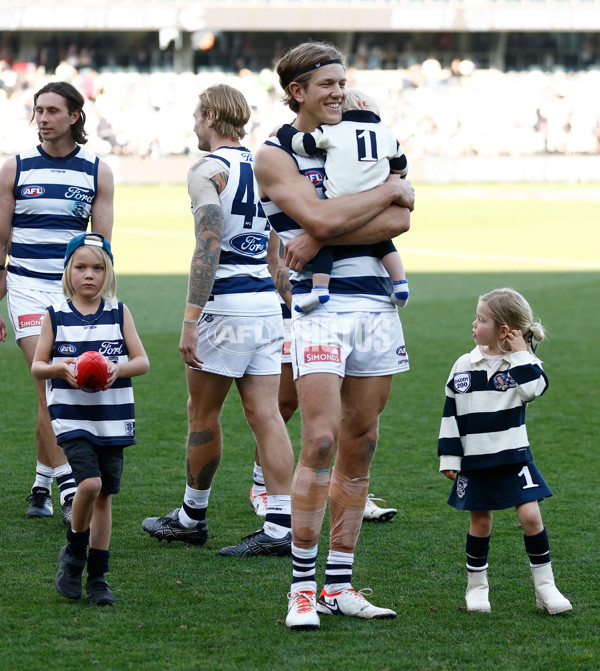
[476, 90]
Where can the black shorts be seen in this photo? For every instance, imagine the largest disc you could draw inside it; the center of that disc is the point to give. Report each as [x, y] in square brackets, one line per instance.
[91, 461]
[498, 488]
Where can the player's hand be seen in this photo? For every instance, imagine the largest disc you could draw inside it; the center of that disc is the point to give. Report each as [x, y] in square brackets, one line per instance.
[300, 250]
[515, 341]
[405, 191]
[451, 475]
[275, 130]
[2, 330]
[188, 343]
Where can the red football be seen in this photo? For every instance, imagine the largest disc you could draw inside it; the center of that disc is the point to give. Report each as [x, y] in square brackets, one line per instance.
[91, 371]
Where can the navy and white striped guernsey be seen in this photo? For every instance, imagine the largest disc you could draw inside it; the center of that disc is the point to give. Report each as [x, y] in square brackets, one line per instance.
[359, 282]
[104, 418]
[243, 284]
[53, 203]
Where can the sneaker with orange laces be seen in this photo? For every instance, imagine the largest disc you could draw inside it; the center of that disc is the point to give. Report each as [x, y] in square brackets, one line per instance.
[373, 513]
[353, 603]
[259, 502]
[302, 611]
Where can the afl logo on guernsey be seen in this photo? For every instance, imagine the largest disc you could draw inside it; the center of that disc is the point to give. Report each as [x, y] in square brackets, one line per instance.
[249, 244]
[67, 349]
[315, 176]
[32, 191]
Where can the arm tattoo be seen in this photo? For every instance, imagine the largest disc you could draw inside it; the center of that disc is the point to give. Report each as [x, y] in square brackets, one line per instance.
[282, 283]
[208, 223]
[282, 280]
[220, 180]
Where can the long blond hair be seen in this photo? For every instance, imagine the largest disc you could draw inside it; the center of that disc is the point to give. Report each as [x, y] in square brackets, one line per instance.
[508, 307]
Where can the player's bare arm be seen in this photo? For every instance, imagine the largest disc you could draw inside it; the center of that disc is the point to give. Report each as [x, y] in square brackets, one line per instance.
[277, 269]
[103, 206]
[7, 207]
[279, 180]
[387, 225]
[206, 180]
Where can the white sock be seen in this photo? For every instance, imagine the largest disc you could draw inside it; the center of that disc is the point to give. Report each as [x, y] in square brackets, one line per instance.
[278, 520]
[43, 476]
[304, 560]
[338, 564]
[400, 295]
[66, 481]
[308, 302]
[259, 480]
[195, 503]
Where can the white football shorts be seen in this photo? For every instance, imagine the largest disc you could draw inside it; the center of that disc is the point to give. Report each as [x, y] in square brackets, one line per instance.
[360, 344]
[235, 346]
[27, 307]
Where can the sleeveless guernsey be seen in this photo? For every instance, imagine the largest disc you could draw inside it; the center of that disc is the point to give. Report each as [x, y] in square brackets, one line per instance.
[53, 203]
[107, 417]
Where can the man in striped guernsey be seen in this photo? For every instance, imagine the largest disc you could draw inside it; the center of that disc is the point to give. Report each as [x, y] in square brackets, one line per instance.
[232, 330]
[347, 350]
[48, 195]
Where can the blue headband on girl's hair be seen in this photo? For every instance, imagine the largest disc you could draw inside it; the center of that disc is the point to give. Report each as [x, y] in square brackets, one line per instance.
[89, 239]
[313, 67]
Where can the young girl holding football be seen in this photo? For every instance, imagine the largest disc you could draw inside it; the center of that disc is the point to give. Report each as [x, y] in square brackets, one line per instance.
[483, 445]
[92, 429]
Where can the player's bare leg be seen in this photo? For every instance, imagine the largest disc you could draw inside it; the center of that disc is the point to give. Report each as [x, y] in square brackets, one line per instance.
[51, 460]
[259, 399]
[363, 400]
[207, 393]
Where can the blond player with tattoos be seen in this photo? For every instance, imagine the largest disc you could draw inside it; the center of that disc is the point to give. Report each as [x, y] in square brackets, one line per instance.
[232, 330]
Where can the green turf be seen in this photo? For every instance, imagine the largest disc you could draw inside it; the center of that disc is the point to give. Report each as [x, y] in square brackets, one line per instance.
[481, 228]
[187, 608]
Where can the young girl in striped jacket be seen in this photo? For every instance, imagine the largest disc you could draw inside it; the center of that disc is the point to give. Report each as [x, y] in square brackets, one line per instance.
[483, 445]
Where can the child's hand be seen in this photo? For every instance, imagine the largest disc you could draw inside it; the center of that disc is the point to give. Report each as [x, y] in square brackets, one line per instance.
[515, 341]
[451, 475]
[112, 375]
[66, 369]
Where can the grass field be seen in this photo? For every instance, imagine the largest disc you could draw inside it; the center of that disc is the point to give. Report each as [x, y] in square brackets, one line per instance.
[186, 608]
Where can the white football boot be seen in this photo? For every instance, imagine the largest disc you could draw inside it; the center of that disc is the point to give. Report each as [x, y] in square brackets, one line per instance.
[302, 611]
[353, 603]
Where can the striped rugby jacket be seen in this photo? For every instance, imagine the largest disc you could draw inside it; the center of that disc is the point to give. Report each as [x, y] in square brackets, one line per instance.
[483, 423]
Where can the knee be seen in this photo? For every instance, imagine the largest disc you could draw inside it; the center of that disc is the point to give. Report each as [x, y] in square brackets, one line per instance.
[287, 407]
[90, 487]
[319, 449]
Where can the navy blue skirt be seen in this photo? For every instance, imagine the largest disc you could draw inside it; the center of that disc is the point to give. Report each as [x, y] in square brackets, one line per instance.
[498, 488]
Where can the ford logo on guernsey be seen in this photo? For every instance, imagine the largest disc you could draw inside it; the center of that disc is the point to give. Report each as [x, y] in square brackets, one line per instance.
[32, 191]
[250, 244]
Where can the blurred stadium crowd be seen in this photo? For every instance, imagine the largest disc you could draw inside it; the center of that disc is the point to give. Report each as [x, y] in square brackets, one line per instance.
[435, 111]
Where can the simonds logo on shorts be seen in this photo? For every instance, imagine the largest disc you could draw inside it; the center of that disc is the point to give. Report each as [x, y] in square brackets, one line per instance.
[321, 353]
[286, 348]
[28, 321]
